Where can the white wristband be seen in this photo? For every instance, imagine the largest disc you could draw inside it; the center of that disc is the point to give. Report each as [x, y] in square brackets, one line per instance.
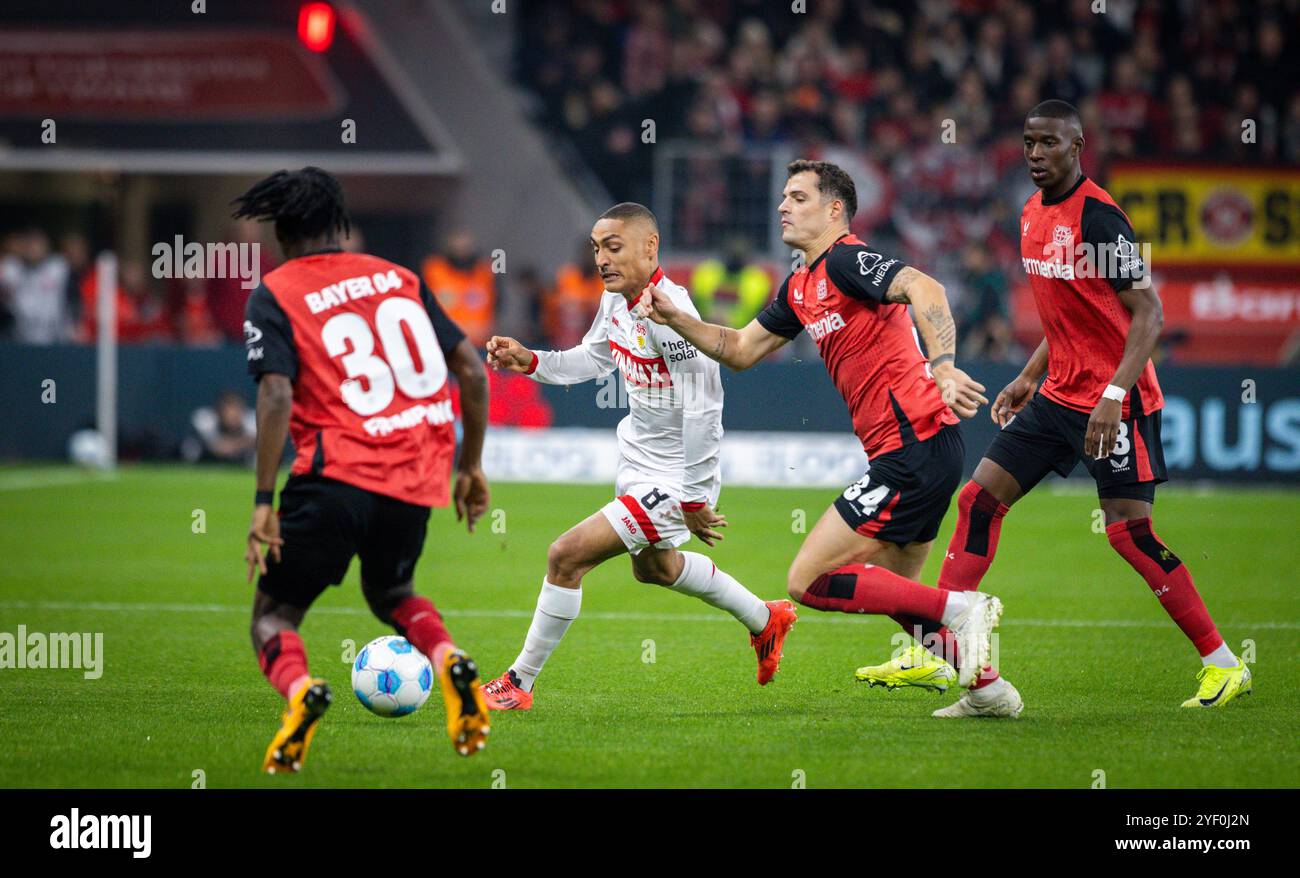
[1114, 392]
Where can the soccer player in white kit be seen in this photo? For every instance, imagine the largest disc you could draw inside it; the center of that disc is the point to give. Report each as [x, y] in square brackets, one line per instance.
[668, 471]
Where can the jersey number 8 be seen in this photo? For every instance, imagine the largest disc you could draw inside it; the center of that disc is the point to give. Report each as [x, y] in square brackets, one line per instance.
[371, 380]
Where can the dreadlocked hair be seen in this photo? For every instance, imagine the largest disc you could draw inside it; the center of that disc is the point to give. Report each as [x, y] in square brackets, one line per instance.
[303, 204]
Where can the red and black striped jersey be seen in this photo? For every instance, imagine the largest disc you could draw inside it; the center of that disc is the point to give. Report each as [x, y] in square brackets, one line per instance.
[365, 346]
[870, 346]
[1080, 252]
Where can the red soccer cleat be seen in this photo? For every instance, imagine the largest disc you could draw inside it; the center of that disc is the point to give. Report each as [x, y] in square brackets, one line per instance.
[504, 693]
[768, 644]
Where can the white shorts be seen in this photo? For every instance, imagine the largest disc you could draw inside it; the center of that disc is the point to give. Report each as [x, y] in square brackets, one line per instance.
[647, 515]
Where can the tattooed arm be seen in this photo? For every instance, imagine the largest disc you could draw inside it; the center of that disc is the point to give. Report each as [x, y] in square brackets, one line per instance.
[939, 332]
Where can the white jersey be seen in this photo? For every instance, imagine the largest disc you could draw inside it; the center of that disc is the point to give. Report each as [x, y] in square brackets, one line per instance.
[672, 435]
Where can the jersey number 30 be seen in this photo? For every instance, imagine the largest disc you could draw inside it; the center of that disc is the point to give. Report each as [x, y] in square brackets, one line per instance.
[371, 380]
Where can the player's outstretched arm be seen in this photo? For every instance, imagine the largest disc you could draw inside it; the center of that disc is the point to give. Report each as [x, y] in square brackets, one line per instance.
[734, 348]
[471, 490]
[962, 393]
[274, 404]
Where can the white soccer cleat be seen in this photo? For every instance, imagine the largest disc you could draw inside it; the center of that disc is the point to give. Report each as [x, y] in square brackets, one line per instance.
[999, 699]
[972, 629]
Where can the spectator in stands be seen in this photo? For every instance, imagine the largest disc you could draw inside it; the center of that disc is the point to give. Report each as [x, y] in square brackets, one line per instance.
[987, 330]
[224, 433]
[572, 302]
[75, 248]
[193, 323]
[142, 313]
[34, 290]
[465, 286]
[733, 290]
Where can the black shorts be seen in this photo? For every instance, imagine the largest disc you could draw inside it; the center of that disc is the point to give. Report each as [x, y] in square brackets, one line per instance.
[1046, 436]
[325, 522]
[905, 493]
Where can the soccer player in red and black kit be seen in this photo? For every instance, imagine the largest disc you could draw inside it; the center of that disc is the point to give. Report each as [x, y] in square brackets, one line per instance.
[351, 354]
[1100, 403]
[865, 552]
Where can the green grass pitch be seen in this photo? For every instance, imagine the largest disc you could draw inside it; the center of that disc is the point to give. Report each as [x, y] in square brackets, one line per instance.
[1100, 666]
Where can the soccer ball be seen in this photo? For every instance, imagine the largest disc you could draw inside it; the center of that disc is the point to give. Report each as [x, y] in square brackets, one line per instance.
[391, 677]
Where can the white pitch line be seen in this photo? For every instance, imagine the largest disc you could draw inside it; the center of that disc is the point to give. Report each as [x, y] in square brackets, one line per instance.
[145, 607]
[26, 481]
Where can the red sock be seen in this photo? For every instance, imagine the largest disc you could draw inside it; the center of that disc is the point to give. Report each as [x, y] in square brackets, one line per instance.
[283, 660]
[975, 541]
[1138, 544]
[865, 588]
[971, 551]
[418, 620]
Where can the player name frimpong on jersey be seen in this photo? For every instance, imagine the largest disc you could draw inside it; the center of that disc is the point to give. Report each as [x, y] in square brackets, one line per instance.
[437, 413]
[1120, 259]
[352, 288]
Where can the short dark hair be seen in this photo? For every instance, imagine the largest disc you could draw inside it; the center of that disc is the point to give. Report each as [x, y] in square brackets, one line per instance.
[303, 204]
[626, 211]
[1054, 109]
[832, 180]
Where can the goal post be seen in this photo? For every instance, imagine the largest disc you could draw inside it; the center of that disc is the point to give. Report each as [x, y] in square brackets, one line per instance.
[106, 356]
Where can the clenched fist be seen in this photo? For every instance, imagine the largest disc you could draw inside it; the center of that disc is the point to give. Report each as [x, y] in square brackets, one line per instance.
[506, 353]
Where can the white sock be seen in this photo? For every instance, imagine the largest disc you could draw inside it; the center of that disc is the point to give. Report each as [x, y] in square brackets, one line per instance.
[1221, 657]
[702, 579]
[556, 609]
[958, 603]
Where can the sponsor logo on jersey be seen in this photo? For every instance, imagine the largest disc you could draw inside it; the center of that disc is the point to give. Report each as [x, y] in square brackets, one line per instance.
[1025, 231]
[798, 294]
[627, 523]
[252, 335]
[351, 288]
[1048, 268]
[819, 329]
[874, 264]
[639, 371]
[679, 351]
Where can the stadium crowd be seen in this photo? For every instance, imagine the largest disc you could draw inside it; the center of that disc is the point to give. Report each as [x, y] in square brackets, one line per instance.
[871, 85]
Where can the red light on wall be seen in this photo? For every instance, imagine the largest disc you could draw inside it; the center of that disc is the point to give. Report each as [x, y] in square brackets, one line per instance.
[316, 26]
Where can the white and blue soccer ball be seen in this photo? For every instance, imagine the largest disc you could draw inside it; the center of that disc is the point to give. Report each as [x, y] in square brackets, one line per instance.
[391, 677]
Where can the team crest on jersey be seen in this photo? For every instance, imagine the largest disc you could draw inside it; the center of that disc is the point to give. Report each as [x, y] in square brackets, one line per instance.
[1063, 235]
[821, 288]
[641, 333]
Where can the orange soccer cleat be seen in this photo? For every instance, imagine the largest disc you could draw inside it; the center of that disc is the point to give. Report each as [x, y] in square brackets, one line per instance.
[504, 693]
[767, 646]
